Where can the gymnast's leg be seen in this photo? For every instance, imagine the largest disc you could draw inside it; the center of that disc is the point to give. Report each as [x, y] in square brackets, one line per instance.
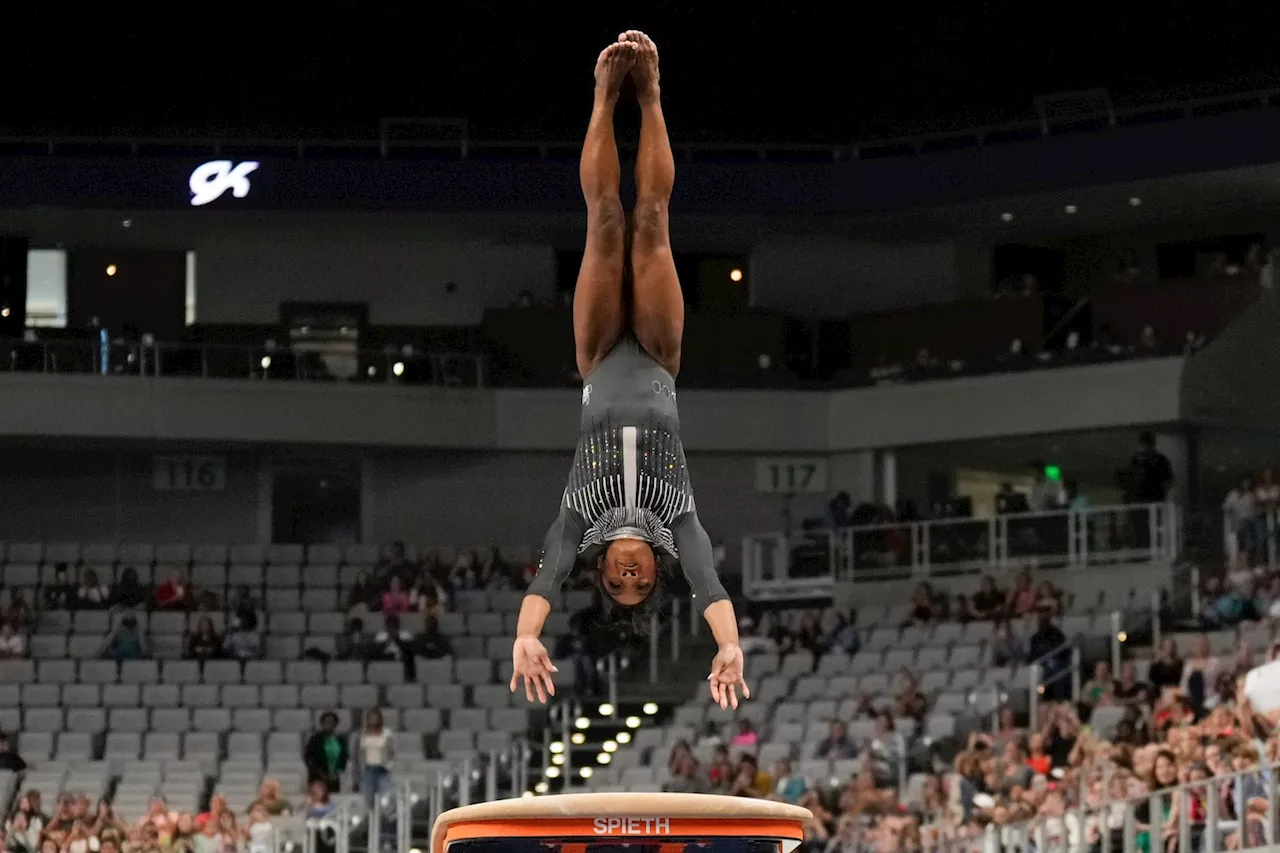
[598, 309]
[657, 305]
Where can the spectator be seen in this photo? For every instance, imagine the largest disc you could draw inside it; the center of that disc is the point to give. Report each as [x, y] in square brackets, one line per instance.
[325, 754]
[839, 511]
[128, 592]
[245, 610]
[843, 635]
[397, 566]
[1021, 599]
[836, 744]
[685, 777]
[752, 643]
[213, 817]
[353, 642]
[910, 702]
[1237, 518]
[1008, 648]
[92, 594]
[395, 599]
[1150, 473]
[243, 642]
[924, 609]
[710, 738]
[364, 594]
[1199, 672]
[173, 594]
[1129, 691]
[10, 761]
[19, 837]
[377, 747]
[1047, 647]
[988, 602]
[1044, 492]
[721, 773]
[493, 572]
[1166, 667]
[432, 644]
[1075, 501]
[395, 643]
[259, 833]
[19, 614]
[271, 797]
[788, 786]
[1097, 690]
[746, 737]
[61, 593]
[205, 644]
[750, 780]
[429, 597]
[125, 643]
[12, 644]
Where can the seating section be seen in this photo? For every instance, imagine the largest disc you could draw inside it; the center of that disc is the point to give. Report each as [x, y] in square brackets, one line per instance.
[177, 725]
[795, 696]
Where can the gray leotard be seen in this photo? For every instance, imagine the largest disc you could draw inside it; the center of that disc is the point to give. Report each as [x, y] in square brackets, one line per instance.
[629, 477]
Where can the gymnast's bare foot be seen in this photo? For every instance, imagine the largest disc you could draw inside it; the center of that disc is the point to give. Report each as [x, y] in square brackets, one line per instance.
[645, 71]
[612, 67]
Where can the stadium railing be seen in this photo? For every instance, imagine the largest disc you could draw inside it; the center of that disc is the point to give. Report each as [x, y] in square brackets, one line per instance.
[1185, 819]
[799, 565]
[451, 137]
[231, 361]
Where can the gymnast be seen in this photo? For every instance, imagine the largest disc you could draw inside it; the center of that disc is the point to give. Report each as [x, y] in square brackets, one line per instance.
[628, 508]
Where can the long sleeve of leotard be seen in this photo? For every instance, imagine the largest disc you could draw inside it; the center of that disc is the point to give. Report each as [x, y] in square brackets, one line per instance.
[559, 553]
[697, 561]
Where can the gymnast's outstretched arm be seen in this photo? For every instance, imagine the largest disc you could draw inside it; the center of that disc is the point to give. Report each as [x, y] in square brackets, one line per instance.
[698, 564]
[559, 552]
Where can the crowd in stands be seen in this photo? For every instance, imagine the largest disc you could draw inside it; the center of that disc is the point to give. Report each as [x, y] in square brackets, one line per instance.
[75, 824]
[1122, 739]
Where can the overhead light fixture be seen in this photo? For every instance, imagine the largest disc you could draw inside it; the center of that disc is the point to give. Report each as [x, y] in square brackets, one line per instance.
[735, 275]
[557, 747]
[623, 737]
[604, 758]
[586, 772]
[557, 759]
[651, 708]
[582, 723]
[610, 746]
[1071, 208]
[1007, 217]
[606, 710]
[542, 787]
[578, 738]
[633, 722]
[1134, 201]
[552, 772]
[111, 269]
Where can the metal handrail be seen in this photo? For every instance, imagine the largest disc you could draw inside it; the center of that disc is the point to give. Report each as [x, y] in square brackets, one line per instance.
[1111, 815]
[383, 146]
[236, 361]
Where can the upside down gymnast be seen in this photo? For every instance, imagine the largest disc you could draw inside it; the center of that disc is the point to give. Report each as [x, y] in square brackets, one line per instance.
[628, 507]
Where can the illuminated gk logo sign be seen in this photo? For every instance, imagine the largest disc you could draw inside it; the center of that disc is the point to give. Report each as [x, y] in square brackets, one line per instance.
[210, 181]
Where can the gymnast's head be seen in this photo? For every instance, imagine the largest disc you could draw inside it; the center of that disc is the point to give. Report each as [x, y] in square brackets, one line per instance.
[629, 571]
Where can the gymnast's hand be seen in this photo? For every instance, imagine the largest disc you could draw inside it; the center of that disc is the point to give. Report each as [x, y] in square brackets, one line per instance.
[726, 677]
[531, 662]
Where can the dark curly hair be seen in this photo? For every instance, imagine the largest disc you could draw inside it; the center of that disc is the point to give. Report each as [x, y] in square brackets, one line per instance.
[612, 626]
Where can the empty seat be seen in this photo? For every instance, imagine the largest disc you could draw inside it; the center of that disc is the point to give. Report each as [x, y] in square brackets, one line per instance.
[41, 695]
[161, 695]
[319, 696]
[222, 672]
[129, 720]
[240, 696]
[213, 554]
[90, 720]
[263, 672]
[17, 671]
[172, 553]
[82, 696]
[280, 696]
[139, 672]
[255, 720]
[344, 672]
[304, 672]
[42, 719]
